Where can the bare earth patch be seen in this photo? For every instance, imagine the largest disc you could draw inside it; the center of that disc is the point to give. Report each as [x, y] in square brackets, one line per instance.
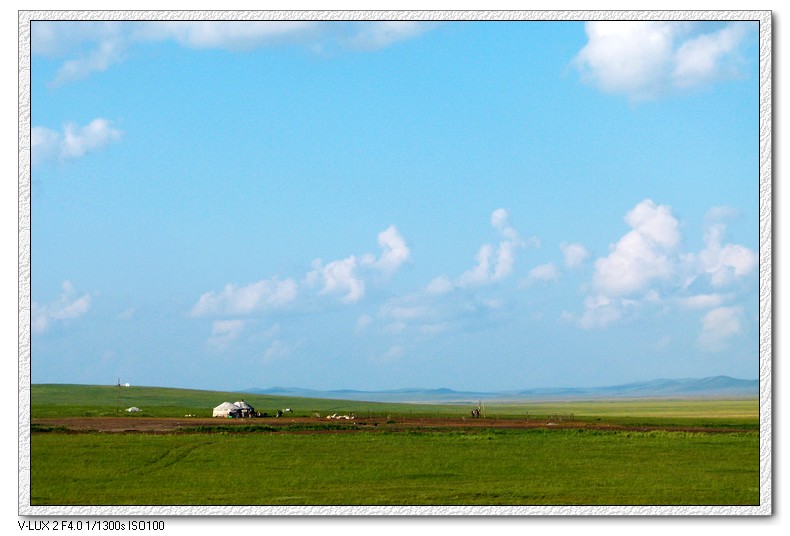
[169, 425]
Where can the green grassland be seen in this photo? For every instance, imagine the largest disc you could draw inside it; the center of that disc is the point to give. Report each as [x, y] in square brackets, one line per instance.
[54, 401]
[494, 467]
[391, 466]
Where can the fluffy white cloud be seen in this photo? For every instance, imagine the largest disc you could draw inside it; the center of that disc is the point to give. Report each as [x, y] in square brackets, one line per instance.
[339, 277]
[719, 326]
[647, 259]
[724, 263]
[347, 277]
[645, 59]
[643, 255]
[68, 306]
[394, 251]
[482, 272]
[574, 254]
[495, 263]
[257, 297]
[73, 142]
[708, 57]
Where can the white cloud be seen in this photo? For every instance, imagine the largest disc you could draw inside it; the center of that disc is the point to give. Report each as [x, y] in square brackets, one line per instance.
[429, 312]
[410, 308]
[45, 145]
[95, 46]
[394, 251]
[642, 256]
[379, 34]
[648, 258]
[543, 273]
[574, 254]
[339, 277]
[701, 301]
[724, 263]
[224, 332]
[707, 57]
[439, 285]
[345, 276]
[73, 142]
[68, 306]
[229, 35]
[495, 263]
[499, 219]
[600, 311]
[264, 295]
[646, 59]
[481, 273]
[719, 326]
[107, 53]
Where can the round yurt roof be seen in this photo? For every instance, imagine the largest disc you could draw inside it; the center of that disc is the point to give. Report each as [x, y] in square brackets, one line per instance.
[226, 406]
[243, 405]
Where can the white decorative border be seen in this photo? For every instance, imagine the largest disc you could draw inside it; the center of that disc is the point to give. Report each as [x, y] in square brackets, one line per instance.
[766, 308]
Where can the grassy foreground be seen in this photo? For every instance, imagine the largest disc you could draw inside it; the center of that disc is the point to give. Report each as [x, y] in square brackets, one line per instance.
[494, 467]
[389, 467]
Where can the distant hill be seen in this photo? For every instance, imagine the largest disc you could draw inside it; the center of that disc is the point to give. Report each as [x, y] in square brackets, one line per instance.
[715, 386]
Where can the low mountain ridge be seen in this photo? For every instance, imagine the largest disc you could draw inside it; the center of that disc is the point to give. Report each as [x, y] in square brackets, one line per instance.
[714, 386]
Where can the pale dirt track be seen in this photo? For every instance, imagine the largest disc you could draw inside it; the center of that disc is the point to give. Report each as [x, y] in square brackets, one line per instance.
[169, 425]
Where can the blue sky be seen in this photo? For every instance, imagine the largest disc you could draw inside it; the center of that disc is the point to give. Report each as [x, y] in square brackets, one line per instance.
[380, 205]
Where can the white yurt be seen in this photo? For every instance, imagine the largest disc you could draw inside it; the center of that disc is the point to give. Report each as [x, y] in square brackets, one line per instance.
[245, 410]
[223, 409]
[242, 405]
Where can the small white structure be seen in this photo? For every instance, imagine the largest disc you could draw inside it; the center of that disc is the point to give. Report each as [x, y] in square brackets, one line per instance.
[224, 409]
[236, 410]
[133, 409]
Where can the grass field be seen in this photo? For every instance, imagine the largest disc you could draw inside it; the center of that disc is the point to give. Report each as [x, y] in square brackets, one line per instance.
[55, 401]
[539, 467]
[484, 466]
